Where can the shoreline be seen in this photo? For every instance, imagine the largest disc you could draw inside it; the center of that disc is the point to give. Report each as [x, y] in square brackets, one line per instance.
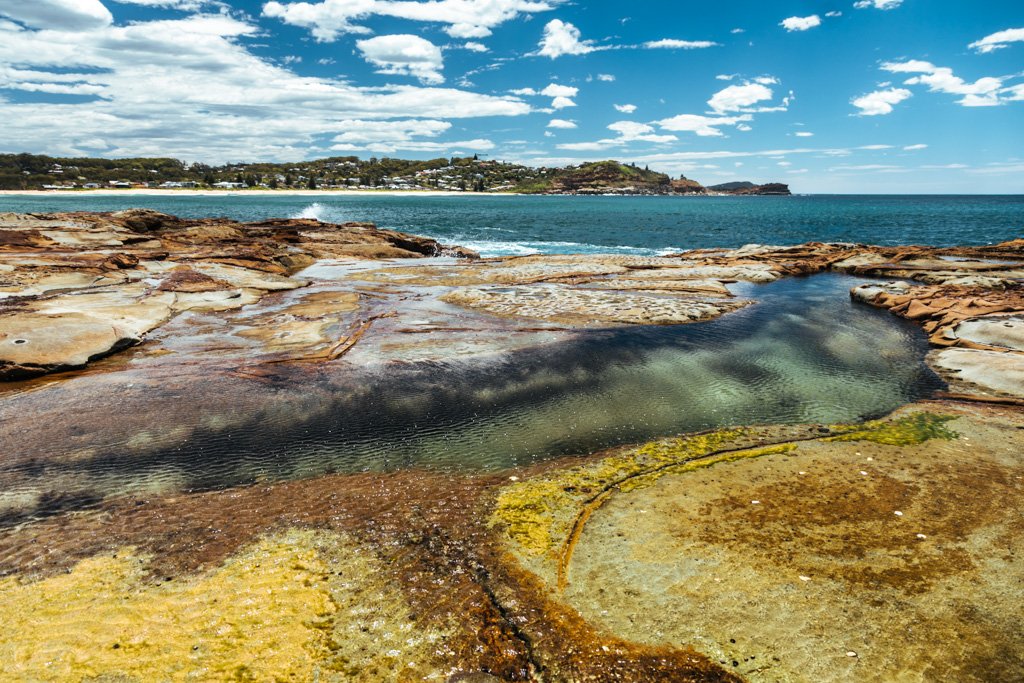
[249, 193]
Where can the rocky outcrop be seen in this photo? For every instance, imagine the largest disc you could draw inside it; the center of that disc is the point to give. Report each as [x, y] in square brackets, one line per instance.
[687, 186]
[748, 188]
[76, 287]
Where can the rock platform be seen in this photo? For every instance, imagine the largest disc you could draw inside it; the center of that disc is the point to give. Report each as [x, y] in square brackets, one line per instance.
[877, 551]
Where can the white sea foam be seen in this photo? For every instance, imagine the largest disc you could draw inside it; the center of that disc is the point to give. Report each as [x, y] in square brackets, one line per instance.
[316, 211]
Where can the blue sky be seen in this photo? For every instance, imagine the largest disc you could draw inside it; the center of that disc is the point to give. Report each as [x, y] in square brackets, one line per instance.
[845, 96]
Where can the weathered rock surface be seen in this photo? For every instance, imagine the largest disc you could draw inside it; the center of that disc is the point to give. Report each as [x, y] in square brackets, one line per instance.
[76, 287]
[786, 553]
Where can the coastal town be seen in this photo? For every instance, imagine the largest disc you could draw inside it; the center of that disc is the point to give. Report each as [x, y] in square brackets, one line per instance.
[454, 174]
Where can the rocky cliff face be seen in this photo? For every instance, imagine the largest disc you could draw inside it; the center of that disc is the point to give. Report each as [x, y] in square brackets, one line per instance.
[687, 186]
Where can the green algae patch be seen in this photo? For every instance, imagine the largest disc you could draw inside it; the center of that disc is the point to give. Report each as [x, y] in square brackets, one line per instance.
[538, 514]
[906, 431]
[694, 465]
[259, 616]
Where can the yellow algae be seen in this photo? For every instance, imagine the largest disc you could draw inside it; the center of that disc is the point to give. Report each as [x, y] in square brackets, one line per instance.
[646, 479]
[536, 512]
[259, 617]
[905, 431]
[694, 465]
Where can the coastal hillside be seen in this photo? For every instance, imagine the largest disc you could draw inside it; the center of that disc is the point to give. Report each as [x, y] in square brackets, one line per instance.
[599, 177]
[455, 174]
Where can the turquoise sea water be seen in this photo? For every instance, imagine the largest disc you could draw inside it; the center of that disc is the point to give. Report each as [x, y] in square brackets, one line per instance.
[500, 225]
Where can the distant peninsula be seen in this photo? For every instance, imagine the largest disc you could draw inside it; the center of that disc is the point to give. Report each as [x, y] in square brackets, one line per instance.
[31, 172]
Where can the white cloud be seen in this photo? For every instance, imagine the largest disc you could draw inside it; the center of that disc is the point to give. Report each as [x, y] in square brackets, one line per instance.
[66, 15]
[704, 126]
[607, 78]
[625, 108]
[726, 77]
[880, 101]
[628, 131]
[631, 131]
[800, 23]
[984, 92]
[878, 4]
[328, 19]
[188, 5]
[524, 92]
[674, 44]
[739, 97]
[562, 103]
[387, 136]
[562, 38]
[473, 46]
[216, 101]
[803, 134]
[834, 13]
[998, 40]
[561, 123]
[404, 54]
[391, 136]
[737, 30]
[557, 90]
[914, 148]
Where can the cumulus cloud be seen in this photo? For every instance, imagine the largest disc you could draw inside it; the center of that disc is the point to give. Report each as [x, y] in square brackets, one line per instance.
[880, 102]
[878, 4]
[998, 40]
[404, 54]
[188, 5]
[704, 126]
[984, 92]
[625, 108]
[800, 23]
[607, 78]
[386, 137]
[64, 15]
[733, 106]
[628, 131]
[631, 131]
[561, 123]
[562, 38]
[216, 100]
[328, 19]
[739, 97]
[674, 44]
[558, 90]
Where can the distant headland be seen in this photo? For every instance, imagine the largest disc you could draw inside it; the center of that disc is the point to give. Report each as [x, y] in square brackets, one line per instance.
[31, 172]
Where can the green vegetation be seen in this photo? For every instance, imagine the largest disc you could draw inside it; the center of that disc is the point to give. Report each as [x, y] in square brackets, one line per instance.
[470, 174]
[906, 431]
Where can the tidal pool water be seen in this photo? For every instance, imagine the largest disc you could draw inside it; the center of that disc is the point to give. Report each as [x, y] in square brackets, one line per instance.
[803, 353]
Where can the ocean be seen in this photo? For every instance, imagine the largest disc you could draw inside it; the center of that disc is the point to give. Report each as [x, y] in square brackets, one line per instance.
[514, 224]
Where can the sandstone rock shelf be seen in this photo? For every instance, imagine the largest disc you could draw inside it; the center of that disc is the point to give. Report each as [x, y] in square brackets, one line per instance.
[879, 550]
